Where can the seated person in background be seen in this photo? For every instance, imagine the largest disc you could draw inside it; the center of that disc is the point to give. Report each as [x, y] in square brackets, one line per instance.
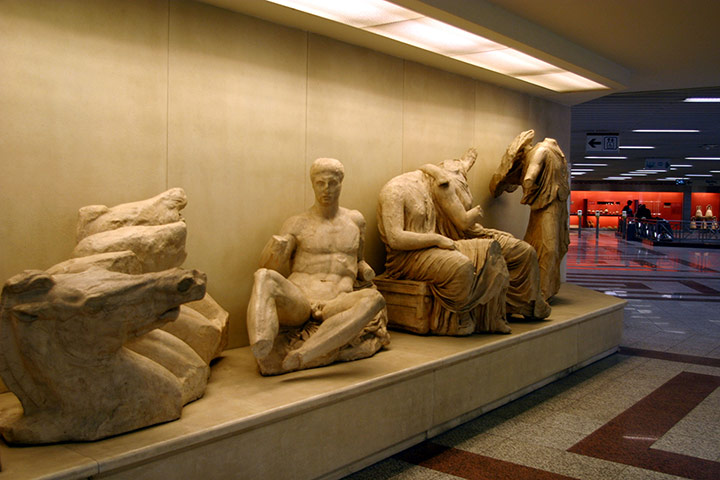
[309, 305]
[643, 211]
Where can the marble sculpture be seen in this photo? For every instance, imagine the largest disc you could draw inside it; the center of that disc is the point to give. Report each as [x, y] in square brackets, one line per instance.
[524, 296]
[422, 220]
[542, 172]
[65, 353]
[313, 301]
[100, 344]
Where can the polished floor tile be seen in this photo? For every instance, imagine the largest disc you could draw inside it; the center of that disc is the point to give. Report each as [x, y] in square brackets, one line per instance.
[651, 411]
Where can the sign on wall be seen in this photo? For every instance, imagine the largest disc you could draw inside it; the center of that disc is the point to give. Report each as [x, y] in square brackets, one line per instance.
[657, 164]
[602, 142]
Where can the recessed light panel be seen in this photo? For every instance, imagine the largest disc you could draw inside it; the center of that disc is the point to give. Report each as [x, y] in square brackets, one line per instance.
[406, 26]
[648, 130]
[360, 14]
[702, 100]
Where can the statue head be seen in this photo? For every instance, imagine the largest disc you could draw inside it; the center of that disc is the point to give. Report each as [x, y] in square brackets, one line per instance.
[326, 175]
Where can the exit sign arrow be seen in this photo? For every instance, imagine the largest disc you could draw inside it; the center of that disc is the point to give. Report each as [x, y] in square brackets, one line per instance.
[594, 142]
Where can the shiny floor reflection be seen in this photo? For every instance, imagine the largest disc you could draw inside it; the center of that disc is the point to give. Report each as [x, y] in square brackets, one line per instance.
[651, 411]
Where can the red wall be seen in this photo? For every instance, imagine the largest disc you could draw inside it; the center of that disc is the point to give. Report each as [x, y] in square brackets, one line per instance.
[667, 205]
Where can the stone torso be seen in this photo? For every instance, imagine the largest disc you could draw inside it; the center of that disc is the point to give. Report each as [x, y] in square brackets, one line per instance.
[325, 262]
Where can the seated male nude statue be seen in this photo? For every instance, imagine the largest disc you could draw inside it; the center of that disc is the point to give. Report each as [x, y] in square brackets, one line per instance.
[309, 305]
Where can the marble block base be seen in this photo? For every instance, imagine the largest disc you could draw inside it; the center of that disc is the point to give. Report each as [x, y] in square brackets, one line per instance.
[328, 422]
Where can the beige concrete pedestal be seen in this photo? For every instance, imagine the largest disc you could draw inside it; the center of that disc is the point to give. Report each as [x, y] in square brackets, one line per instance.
[330, 421]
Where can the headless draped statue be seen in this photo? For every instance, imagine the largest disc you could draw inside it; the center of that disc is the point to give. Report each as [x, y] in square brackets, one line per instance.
[542, 171]
[468, 277]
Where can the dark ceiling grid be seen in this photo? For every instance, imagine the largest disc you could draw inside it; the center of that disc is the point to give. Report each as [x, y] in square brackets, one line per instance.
[624, 112]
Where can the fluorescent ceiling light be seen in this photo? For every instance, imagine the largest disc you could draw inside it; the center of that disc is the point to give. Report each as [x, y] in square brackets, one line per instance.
[589, 164]
[681, 166]
[616, 178]
[430, 34]
[698, 175]
[702, 100]
[575, 174]
[561, 81]
[356, 14]
[665, 131]
[634, 174]
[635, 147]
[508, 62]
[605, 158]
[406, 26]
[714, 171]
[702, 158]
[575, 170]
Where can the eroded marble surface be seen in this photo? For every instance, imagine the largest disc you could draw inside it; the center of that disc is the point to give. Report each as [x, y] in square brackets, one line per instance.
[313, 301]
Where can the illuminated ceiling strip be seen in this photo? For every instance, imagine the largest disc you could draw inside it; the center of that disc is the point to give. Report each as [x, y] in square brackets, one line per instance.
[702, 100]
[605, 158]
[589, 164]
[647, 130]
[412, 28]
[681, 166]
[702, 158]
[698, 175]
[634, 147]
[616, 178]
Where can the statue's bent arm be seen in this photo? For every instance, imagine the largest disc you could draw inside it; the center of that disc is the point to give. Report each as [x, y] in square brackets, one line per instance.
[393, 219]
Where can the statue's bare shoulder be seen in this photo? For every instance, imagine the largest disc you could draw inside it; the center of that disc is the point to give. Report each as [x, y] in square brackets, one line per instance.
[354, 215]
[294, 225]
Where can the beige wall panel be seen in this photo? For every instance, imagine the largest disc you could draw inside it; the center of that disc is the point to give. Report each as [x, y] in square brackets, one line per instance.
[236, 138]
[83, 103]
[439, 115]
[355, 115]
